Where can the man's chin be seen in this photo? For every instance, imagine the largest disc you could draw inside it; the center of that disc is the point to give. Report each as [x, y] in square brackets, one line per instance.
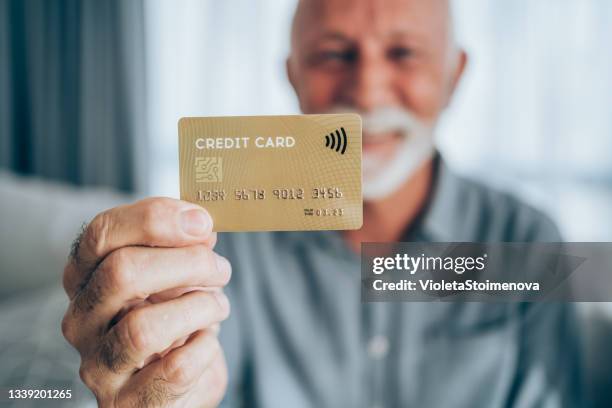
[375, 171]
[372, 188]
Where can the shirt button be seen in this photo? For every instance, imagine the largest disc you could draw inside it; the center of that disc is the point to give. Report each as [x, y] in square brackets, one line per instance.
[378, 347]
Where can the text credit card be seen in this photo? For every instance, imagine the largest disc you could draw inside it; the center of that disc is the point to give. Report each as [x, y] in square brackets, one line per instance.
[274, 173]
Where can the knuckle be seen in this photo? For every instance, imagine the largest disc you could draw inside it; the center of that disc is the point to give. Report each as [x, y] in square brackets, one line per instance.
[226, 271]
[154, 212]
[67, 328]
[87, 376]
[225, 311]
[180, 369]
[135, 332]
[117, 270]
[219, 267]
[98, 233]
[223, 268]
[221, 304]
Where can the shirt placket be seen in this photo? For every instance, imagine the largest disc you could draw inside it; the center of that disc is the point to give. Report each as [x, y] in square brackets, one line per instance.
[375, 353]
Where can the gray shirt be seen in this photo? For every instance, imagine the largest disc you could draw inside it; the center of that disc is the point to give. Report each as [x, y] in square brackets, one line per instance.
[299, 336]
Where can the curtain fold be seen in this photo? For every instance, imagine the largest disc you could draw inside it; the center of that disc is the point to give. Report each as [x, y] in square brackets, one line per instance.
[5, 106]
[72, 91]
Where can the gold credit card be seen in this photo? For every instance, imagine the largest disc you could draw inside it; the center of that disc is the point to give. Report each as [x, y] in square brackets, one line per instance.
[274, 173]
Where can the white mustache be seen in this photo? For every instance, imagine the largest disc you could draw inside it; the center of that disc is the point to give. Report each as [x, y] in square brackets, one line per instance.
[386, 120]
[384, 175]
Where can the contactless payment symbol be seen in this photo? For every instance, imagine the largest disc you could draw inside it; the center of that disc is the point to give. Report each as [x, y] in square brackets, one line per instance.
[337, 141]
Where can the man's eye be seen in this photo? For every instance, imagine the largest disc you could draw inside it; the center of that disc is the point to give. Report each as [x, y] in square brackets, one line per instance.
[400, 53]
[334, 56]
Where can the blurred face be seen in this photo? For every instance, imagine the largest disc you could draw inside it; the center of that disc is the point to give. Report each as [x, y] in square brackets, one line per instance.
[392, 61]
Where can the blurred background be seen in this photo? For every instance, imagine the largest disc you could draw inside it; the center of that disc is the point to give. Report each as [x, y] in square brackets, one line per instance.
[91, 92]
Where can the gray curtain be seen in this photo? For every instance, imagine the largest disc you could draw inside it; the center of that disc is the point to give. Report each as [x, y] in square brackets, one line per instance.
[72, 91]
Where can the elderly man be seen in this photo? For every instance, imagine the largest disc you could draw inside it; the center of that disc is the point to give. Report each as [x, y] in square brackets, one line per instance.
[145, 279]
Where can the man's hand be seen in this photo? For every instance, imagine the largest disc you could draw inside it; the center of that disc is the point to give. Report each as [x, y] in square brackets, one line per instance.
[143, 340]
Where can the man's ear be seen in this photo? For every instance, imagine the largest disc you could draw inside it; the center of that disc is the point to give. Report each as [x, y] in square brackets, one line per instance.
[457, 74]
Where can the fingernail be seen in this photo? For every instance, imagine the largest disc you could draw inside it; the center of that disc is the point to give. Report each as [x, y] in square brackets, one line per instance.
[196, 222]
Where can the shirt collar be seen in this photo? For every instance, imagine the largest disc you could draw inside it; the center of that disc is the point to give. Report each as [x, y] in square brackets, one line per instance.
[438, 219]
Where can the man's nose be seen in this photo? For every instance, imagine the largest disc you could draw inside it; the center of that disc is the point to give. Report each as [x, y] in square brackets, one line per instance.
[371, 87]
